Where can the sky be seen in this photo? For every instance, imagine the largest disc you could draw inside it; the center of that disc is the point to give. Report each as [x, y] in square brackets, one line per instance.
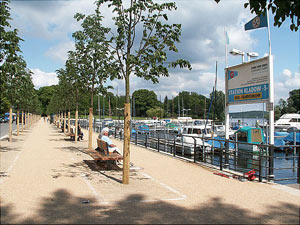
[47, 27]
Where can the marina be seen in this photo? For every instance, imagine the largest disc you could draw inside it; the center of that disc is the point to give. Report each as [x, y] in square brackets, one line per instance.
[278, 163]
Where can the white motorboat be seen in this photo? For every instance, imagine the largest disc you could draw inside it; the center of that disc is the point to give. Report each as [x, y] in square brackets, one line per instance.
[191, 134]
[287, 121]
[220, 131]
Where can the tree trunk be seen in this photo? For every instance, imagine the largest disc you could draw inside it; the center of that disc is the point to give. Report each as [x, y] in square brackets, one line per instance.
[90, 146]
[22, 116]
[69, 122]
[76, 123]
[65, 121]
[10, 124]
[18, 125]
[25, 120]
[61, 118]
[126, 144]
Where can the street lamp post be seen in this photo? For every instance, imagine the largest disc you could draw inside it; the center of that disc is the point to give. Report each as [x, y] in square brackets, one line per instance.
[238, 52]
[185, 110]
[251, 55]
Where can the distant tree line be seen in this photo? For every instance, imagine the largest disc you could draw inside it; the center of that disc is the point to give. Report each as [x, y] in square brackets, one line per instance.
[291, 105]
[144, 103]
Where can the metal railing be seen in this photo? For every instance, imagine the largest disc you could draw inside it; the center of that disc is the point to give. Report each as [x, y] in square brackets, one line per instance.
[265, 162]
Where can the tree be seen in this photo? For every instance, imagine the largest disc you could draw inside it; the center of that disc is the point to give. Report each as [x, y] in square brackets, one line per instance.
[145, 57]
[93, 60]
[144, 100]
[9, 48]
[44, 95]
[281, 9]
[294, 101]
[155, 112]
[218, 106]
[166, 106]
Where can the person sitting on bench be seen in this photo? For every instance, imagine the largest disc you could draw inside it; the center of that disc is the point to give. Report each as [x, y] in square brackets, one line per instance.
[79, 133]
[104, 137]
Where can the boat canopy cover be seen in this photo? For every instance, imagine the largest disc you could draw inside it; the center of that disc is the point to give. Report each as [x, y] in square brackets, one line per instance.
[254, 134]
[281, 134]
[290, 138]
[217, 143]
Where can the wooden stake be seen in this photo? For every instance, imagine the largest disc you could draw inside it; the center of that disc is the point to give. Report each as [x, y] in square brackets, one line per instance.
[76, 125]
[10, 124]
[18, 121]
[65, 121]
[69, 122]
[90, 146]
[126, 146]
[22, 121]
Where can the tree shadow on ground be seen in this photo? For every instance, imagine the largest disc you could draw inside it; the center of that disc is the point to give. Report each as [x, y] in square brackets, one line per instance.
[74, 149]
[15, 139]
[63, 207]
[9, 149]
[56, 139]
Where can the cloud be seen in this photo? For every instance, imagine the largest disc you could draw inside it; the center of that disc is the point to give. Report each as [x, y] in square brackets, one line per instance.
[287, 81]
[48, 19]
[41, 79]
[60, 51]
[202, 39]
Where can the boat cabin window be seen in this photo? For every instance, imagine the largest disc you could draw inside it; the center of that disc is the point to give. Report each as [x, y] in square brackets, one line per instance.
[194, 131]
[256, 135]
[242, 136]
[293, 120]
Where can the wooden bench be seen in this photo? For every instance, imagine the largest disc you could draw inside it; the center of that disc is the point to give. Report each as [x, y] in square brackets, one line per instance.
[104, 155]
[71, 134]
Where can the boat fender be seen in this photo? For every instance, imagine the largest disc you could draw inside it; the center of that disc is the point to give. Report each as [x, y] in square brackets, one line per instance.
[222, 175]
[250, 175]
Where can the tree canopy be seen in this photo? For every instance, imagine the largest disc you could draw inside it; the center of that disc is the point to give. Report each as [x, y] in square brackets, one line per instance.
[282, 9]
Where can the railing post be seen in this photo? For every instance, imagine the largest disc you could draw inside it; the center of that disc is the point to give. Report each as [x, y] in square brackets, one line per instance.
[221, 157]
[260, 168]
[226, 154]
[235, 152]
[158, 143]
[165, 141]
[298, 177]
[174, 148]
[271, 162]
[136, 137]
[146, 140]
[294, 152]
[195, 149]
[203, 149]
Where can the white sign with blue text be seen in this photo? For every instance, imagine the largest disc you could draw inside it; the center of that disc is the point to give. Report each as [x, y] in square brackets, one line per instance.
[248, 82]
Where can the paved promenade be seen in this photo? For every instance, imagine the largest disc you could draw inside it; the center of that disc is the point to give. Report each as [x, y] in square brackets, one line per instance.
[46, 178]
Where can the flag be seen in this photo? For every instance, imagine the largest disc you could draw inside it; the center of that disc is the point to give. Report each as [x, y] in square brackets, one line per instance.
[227, 38]
[257, 22]
[232, 74]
